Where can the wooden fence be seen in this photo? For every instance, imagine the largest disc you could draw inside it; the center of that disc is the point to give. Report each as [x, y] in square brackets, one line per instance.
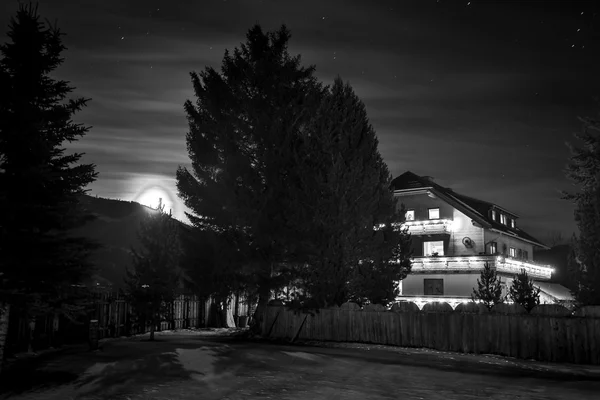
[549, 333]
[115, 319]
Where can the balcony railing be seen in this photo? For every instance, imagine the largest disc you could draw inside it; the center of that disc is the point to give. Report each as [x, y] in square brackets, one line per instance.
[475, 263]
[429, 227]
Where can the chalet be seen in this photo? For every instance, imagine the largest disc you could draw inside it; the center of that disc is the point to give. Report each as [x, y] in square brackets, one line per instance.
[454, 235]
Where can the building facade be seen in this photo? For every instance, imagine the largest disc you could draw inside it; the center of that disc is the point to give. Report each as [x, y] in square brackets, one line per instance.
[454, 235]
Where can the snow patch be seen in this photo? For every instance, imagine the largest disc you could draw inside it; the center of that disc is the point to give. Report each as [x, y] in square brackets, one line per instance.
[305, 356]
[98, 368]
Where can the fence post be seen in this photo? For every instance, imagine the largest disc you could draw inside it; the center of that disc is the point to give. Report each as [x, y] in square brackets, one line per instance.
[93, 334]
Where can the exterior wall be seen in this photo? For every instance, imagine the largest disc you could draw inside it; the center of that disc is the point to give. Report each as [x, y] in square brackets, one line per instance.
[454, 284]
[509, 241]
[461, 226]
[421, 203]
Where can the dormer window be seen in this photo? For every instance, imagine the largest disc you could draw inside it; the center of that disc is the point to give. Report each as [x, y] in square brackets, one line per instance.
[434, 213]
[512, 223]
[493, 215]
[410, 215]
[503, 219]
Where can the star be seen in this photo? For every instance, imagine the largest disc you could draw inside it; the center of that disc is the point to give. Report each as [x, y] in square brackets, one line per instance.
[122, 37]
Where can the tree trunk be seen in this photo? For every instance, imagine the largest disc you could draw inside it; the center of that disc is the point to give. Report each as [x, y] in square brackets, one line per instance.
[236, 316]
[257, 321]
[152, 328]
[4, 315]
[31, 331]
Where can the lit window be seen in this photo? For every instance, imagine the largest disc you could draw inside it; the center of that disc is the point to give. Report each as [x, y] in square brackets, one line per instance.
[431, 248]
[512, 223]
[512, 252]
[433, 287]
[503, 219]
[493, 215]
[493, 248]
[434, 213]
[410, 215]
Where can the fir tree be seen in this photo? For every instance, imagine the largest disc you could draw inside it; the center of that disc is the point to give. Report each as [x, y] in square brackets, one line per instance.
[241, 131]
[489, 290]
[40, 186]
[523, 292]
[584, 170]
[346, 183]
[155, 279]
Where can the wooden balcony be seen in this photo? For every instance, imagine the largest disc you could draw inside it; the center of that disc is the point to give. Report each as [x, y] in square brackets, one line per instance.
[429, 227]
[474, 264]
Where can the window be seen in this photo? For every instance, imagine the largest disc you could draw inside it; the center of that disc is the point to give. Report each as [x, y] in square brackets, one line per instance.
[493, 247]
[525, 255]
[519, 253]
[433, 287]
[429, 248]
[503, 219]
[434, 213]
[410, 215]
[493, 215]
[512, 252]
[512, 223]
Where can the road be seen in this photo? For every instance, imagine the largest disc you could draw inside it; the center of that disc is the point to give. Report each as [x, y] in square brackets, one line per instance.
[199, 367]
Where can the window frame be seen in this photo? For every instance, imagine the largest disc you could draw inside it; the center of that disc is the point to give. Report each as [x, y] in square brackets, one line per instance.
[512, 252]
[503, 219]
[494, 246]
[433, 241]
[429, 212]
[432, 286]
[406, 215]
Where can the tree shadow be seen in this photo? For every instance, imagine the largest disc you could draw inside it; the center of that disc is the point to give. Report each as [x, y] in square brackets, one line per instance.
[29, 376]
[110, 377]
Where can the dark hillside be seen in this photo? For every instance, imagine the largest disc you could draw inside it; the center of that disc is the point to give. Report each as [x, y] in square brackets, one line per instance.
[115, 228]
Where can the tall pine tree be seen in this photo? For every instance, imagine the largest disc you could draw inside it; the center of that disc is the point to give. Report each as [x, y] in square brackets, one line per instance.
[489, 287]
[523, 292]
[153, 282]
[346, 183]
[242, 130]
[40, 185]
[584, 170]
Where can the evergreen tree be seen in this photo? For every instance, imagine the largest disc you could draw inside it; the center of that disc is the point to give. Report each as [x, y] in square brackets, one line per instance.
[242, 130]
[346, 183]
[155, 279]
[584, 170]
[40, 186]
[523, 292]
[489, 287]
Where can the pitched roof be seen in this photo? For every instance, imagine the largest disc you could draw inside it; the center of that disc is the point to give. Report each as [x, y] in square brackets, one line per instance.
[475, 208]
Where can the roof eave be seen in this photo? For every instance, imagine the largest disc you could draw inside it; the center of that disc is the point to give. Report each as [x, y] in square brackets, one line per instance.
[520, 238]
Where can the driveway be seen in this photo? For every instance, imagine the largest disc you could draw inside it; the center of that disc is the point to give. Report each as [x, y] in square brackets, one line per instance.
[196, 366]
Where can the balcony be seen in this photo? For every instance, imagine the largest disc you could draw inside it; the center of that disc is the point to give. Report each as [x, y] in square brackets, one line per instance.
[475, 264]
[429, 227]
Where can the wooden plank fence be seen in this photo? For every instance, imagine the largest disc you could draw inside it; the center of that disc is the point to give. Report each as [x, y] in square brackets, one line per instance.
[114, 317]
[549, 333]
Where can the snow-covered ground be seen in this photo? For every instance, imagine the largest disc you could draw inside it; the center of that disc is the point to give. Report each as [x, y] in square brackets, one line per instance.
[191, 365]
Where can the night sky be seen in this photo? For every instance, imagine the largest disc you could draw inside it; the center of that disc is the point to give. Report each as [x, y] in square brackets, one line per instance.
[480, 95]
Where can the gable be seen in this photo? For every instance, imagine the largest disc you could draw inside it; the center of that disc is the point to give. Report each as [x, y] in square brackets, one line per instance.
[476, 209]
